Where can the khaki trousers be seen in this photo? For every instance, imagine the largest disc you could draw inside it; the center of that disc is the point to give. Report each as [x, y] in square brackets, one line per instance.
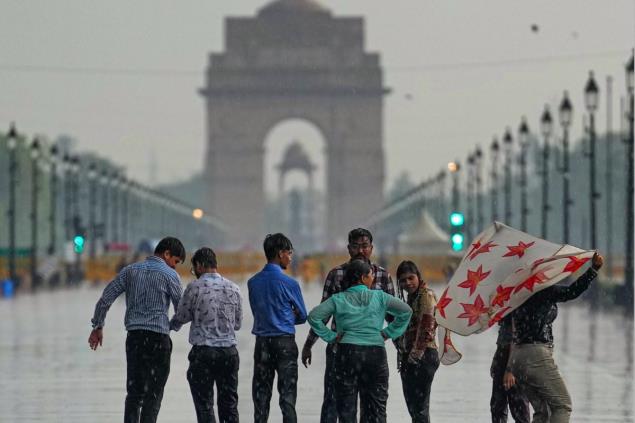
[540, 379]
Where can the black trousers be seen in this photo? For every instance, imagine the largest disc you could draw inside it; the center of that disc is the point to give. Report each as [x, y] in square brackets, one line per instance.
[501, 398]
[209, 366]
[361, 371]
[275, 354]
[148, 366]
[329, 405]
[416, 380]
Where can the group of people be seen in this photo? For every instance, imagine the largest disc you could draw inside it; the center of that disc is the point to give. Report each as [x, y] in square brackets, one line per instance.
[359, 299]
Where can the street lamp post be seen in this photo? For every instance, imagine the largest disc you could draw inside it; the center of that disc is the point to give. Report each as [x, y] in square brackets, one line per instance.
[546, 126]
[470, 197]
[105, 183]
[76, 218]
[628, 269]
[454, 168]
[608, 178]
[124, 186]
[523, 135]
[440, 206]
[68, 197]
[591, 99]
[114, 220]
[53, 199]
[75, 195]
[495, 148]
[12, 143]
[478, 161]
[35, 190]
[507, 142]
[92, 194]
[566, 116]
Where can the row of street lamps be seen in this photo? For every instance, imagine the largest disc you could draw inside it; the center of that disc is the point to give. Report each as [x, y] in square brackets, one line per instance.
[565, 115]
[125, 206]
[423, 194]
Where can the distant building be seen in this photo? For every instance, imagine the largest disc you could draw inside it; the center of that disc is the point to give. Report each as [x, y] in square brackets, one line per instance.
[294, 60]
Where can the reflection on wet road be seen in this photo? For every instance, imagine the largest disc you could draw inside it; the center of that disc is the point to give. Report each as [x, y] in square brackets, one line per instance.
[48, 373]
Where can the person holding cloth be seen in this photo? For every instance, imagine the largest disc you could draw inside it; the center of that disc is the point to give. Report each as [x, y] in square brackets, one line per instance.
[531, 362]
[361, 368]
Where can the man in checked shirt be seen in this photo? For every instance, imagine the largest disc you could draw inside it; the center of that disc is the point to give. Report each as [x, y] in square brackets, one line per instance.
[360, 247]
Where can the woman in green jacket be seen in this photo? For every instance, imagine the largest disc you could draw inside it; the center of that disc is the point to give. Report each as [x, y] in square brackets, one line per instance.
[361, 367]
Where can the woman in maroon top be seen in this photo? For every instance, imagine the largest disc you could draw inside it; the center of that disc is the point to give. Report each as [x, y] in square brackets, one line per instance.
[418, 356]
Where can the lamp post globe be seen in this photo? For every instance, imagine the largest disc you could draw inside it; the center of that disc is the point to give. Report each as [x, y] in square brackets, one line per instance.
[630, 82]
[507, 137]
[12, 137]
[591, 94]
[495, 147]
[546, 123]
[523, 131]
[565, 111]
[35, 149]
[92, 171]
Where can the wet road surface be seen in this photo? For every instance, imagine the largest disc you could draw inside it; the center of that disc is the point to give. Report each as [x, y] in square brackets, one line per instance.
[48, 373]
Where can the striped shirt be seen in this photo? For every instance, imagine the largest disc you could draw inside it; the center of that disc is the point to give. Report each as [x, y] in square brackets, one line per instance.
[149, 285]
[213, 305]
[333, 285]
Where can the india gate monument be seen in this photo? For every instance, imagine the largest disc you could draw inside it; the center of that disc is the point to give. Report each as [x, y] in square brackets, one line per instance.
[293, 60]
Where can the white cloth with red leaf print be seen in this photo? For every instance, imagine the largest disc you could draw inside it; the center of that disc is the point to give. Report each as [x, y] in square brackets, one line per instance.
[501, 269]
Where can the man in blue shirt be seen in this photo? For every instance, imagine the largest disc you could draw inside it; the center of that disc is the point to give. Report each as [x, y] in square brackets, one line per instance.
[277, 306]
[150, 286]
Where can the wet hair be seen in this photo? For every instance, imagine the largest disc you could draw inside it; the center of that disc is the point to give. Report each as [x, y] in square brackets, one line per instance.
[173, 245]
[206, 257]
[353, 272]
[359, 233]
[407, 266]
[275, 243]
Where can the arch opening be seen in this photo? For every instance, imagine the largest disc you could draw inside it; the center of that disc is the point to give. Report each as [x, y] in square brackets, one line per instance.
[294, 179]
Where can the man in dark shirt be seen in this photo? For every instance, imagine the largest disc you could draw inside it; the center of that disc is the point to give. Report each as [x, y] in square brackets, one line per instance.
[277, 306]
[360, 247]
[531, 359]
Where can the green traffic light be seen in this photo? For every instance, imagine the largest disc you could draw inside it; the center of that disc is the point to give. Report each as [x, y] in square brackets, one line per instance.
[457, 242]
[457, 219]
[78, 242]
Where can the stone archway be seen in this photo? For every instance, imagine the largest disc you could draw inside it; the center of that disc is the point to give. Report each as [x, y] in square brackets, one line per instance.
[294, 60]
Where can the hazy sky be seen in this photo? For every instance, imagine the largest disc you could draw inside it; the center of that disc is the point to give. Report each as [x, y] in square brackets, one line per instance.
[121, 76]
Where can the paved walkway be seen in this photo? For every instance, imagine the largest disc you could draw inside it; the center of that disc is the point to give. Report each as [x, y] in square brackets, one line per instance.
[48, 373]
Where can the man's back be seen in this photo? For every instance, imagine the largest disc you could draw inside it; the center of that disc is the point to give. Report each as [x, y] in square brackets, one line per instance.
[149, 285]
[213, 304]
[276, 302]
